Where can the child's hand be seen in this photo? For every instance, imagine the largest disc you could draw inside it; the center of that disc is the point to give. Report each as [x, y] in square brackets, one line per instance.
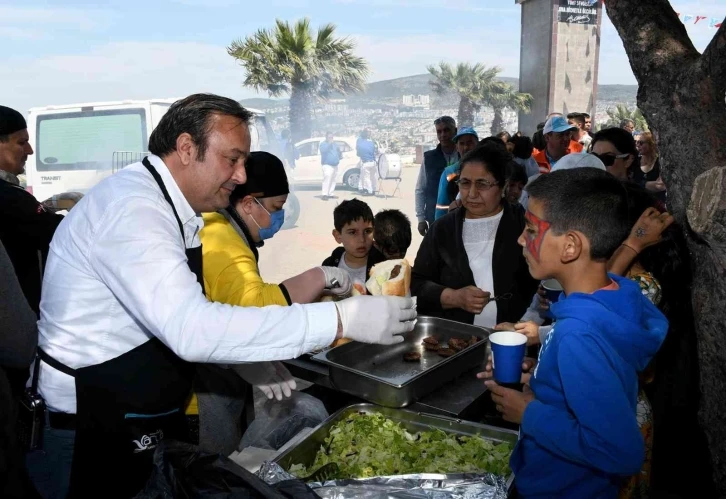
[510, 403]
[544, 303]
[530, 330]
[527, 365]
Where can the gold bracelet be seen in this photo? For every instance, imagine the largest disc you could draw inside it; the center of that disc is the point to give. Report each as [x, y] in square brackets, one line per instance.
[628, 246]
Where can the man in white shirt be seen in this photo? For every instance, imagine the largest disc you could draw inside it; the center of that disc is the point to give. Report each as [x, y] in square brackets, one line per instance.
[124, 316]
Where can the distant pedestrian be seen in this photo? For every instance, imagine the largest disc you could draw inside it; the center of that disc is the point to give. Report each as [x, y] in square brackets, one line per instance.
[366, 150]
[330, 156]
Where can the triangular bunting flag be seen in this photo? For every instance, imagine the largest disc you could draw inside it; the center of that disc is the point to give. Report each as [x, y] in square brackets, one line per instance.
[698, 18]
[686, 18]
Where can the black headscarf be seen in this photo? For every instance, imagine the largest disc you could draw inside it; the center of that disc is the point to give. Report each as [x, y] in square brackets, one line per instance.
[266, 178]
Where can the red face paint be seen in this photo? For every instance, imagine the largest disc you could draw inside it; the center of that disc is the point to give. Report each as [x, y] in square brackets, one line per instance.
[534, 241]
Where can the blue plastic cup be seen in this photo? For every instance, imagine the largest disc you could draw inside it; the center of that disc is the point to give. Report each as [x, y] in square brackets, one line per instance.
[553, 289]
[508, 350]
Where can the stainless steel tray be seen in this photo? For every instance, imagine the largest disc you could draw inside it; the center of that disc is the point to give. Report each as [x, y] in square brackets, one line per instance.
[304, 451]
[378, 373]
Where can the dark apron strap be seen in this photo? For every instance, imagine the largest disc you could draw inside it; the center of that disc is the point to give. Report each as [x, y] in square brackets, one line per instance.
[161, 185]
[59, 366]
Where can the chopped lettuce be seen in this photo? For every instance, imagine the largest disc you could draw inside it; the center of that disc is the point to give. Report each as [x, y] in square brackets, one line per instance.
[366, 445]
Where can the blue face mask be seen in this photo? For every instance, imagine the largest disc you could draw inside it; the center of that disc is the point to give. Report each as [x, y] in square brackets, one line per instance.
[276, 221]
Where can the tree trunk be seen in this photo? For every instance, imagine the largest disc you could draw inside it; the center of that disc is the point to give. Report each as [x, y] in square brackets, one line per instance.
[301, 108]
[466, 113]
[497, 121]
[678, 86]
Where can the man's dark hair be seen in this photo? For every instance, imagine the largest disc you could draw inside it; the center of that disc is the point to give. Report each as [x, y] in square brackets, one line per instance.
[494, 156]
[588, 200]
[538, 140]
[577, 117]
[625, 122]
[516, 173]
[351, 211]
[193, 115]
[523, 147]
[392, 231]
[585, 115]
[501, 135]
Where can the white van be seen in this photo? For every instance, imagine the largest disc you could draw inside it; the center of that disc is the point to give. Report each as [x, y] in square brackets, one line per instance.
[78, 145]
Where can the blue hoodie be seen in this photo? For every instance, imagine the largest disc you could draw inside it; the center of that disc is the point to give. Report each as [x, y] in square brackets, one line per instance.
[579, 437]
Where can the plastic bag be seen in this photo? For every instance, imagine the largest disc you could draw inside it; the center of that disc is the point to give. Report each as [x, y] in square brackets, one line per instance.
[183, 470]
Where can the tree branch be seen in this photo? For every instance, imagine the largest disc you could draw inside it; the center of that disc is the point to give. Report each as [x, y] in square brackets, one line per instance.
[653, 35]
[713, 60]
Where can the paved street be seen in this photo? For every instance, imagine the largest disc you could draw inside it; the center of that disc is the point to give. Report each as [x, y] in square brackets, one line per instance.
[295, 250]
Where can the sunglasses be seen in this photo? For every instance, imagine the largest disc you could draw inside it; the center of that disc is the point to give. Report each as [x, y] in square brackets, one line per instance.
[609, 159]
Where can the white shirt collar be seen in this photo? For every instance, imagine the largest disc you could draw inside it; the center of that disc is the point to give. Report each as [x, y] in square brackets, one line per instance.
[9, 177]
[183, 208]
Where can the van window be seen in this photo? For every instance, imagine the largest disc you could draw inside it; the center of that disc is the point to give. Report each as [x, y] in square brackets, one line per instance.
[87, 140]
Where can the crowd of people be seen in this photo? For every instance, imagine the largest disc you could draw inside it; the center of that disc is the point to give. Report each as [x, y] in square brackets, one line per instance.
[138, 342]
[589, 208]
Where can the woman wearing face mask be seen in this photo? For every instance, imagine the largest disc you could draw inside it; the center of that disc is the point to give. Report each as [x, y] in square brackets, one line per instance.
[230, 241]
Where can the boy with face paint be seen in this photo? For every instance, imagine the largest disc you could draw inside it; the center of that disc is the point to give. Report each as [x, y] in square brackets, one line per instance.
[579, 436]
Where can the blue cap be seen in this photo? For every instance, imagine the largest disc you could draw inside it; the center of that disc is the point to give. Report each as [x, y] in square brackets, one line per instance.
[465, 130]
[558, 124]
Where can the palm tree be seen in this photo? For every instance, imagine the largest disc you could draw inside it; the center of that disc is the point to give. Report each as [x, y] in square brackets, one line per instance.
[472, 83]
[291, 59]
[507, 98]
[622, 112]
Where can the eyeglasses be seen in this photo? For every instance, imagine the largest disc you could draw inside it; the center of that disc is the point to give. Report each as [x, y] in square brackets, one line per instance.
[609, 159]
[481, 185]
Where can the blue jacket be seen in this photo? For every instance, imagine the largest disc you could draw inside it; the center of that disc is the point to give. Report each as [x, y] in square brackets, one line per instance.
[443, 200]
[579, 437]
[366, 150]
[329, 153]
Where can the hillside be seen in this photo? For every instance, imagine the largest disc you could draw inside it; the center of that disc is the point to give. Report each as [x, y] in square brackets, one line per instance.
[394, 90]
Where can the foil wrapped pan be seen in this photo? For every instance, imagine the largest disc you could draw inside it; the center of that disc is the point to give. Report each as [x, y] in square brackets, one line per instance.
[414, 486]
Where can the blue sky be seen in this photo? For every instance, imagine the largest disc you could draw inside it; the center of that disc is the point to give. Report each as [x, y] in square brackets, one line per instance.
[75, 51]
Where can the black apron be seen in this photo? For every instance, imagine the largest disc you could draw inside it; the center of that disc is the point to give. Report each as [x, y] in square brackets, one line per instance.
[126, 406]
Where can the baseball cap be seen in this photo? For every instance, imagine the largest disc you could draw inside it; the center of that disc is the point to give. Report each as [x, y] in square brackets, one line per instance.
[558, 124]
[578, 160]
[466, 130]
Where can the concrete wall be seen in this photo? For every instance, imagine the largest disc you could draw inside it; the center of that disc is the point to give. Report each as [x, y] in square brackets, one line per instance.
[535, 61]
[558, 62]
[575, 69]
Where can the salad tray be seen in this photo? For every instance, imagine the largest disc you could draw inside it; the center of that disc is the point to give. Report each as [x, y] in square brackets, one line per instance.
[304, 452]
[379, 373]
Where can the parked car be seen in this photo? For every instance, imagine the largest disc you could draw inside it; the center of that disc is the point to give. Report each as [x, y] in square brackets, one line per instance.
[309, 171]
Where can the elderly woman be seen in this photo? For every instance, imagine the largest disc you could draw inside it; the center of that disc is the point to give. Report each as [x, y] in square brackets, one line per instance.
[649, 175]
[230, 241]
[469, 267]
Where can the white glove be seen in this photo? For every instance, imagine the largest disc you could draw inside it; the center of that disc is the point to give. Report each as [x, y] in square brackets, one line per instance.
[337, 281]
[271, 377]
[376, 319]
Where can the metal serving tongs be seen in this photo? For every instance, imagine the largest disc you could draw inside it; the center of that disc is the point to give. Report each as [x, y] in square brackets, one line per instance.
[505, 296]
